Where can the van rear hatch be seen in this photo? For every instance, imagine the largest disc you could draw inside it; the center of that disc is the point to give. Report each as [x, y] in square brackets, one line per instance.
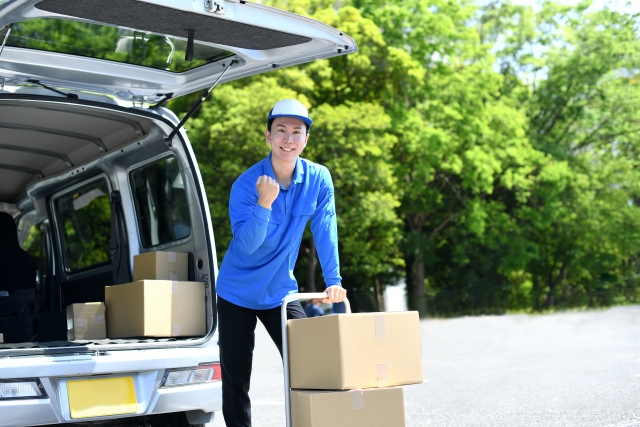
[147, 50]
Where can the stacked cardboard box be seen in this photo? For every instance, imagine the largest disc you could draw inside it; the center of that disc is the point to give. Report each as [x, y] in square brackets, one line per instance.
[161, 266]
[161, 302]
[353, 364]
[85, 321]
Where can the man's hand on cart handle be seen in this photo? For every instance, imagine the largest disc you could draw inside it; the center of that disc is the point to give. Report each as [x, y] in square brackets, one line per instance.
[335, 293]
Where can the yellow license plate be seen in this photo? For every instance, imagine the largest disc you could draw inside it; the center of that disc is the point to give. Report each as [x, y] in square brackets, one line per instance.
[102, 397]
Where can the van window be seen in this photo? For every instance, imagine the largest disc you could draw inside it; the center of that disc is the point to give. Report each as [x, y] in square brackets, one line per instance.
[30, 238]
[85, 221]
[111, 43]
[161, 203]
[29, 233]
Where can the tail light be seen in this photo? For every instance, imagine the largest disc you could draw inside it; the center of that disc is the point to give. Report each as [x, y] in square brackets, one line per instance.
[204, 373]
[21, 389]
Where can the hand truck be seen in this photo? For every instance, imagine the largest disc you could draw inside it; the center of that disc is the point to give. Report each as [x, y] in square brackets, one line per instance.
[285, 342]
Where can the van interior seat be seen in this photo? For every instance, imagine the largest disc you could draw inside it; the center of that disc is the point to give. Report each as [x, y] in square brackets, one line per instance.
[17, 266]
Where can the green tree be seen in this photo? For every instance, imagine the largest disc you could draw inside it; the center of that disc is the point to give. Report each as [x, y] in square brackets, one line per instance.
[582, 219]
[487, 154]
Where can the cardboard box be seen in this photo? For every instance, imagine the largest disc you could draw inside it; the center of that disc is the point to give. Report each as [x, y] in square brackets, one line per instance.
[381, 407]
[85, 321]
[1, 338]
[161, 266]
[349, 351]
[156, 308]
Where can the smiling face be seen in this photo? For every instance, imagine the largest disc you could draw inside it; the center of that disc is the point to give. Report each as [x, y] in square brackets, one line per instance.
[287, 139]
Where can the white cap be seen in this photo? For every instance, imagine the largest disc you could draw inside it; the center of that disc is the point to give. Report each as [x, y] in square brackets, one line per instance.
[290, 108]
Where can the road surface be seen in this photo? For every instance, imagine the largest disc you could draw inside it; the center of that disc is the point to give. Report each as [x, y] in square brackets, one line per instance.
[568, 369]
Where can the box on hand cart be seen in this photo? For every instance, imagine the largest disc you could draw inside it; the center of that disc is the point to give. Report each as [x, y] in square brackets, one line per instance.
[349, 379]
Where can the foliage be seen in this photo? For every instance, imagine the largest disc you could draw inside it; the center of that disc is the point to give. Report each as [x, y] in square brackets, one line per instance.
[581, 221]
[487, 154]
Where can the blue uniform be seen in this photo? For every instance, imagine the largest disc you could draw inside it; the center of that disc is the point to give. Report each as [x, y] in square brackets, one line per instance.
[312, 310]
[257, 271]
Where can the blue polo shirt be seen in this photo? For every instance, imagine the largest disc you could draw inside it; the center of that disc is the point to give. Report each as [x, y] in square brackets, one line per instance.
[257, 270]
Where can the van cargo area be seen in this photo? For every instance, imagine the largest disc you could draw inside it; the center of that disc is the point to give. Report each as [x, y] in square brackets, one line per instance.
[92, 186]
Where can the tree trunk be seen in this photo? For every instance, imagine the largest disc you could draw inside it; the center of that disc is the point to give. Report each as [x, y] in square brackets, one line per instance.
[409, 260]
[415, 264]
[550, 300]
[313, 262]
[535, 292]
[417, 299]
[380, 296]
[418, 284]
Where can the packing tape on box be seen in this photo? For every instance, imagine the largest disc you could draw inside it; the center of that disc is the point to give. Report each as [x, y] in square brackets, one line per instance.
[383, 375]
[175, 329]
[173, 275]
[381, 330]
[174, 287]
[81, 323]
[171, 256]
[97, 319]
[357, 399]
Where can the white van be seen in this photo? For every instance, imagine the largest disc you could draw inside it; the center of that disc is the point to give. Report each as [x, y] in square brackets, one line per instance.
[95, 171]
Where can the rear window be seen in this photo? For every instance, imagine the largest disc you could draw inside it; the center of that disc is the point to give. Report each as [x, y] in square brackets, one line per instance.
[85, 221]
[112, 44]
[161, 202]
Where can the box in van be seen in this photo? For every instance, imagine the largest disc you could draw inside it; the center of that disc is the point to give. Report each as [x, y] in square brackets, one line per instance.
[156, 308]
[86, 321]
[161, 265]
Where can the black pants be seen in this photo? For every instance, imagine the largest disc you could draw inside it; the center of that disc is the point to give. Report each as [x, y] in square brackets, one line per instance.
[236, 329]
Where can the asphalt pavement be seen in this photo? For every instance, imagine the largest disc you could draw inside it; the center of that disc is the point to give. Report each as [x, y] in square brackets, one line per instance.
[577, 368]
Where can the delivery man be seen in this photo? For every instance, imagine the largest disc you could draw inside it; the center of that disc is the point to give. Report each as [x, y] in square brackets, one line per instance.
[270, 205]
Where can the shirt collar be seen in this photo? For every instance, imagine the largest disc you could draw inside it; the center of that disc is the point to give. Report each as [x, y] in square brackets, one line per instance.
[298, 173]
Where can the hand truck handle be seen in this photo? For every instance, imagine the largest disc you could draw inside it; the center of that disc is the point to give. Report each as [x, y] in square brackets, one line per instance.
[285, 342]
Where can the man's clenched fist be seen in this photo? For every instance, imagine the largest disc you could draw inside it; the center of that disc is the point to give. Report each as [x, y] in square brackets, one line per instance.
[268, 190]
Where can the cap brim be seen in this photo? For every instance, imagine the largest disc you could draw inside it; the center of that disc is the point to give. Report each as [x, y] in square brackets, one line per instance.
[307, 120]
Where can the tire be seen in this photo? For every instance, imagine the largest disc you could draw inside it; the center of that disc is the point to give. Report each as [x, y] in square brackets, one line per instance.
[182, 421]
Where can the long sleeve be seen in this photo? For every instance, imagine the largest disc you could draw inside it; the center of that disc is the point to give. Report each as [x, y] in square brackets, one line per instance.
[257, 270]
[249, 220]
[325, 232]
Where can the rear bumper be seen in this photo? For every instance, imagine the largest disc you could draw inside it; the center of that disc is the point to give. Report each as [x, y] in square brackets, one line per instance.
[147, 368]
[28, 412]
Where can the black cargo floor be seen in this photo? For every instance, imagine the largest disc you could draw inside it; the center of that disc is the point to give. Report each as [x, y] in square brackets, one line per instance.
[105, 342]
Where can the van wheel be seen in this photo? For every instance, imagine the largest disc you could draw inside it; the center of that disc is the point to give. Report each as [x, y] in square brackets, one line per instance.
[182, 421]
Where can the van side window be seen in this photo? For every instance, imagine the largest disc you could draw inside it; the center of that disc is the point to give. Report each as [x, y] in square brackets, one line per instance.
[85, 221]
[29, 236]
[161, 202]
[34, 242]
